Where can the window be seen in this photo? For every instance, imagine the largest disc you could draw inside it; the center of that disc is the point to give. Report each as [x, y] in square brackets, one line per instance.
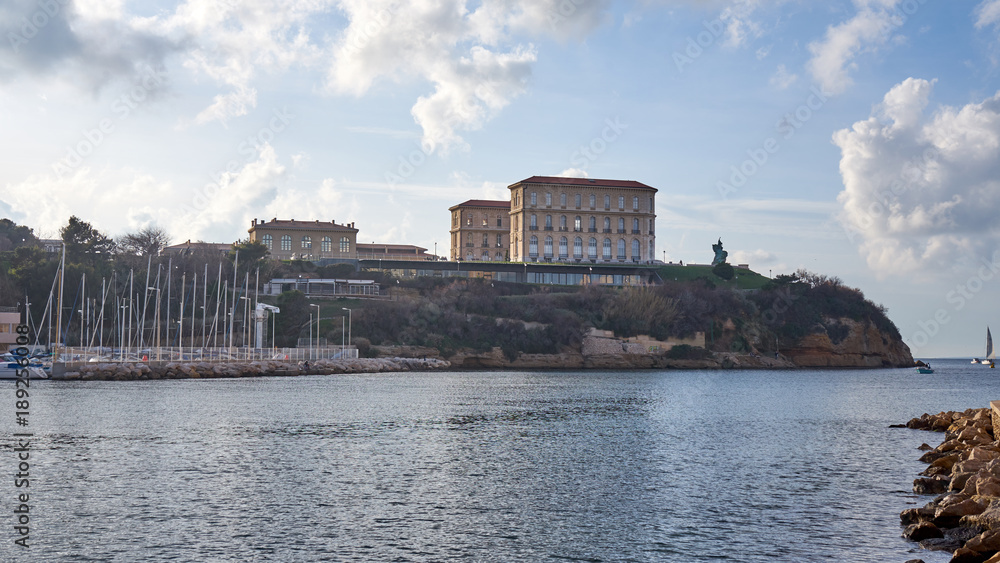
[635, 226]
[454, 219]
[326, 245]
[650, 226]
[652, 251]
[607, 249]
[548, 199]
[578, 199]
[534, 222]
[607, 224]
[499, 257]
[562, 200]
[593, 224]
[486, 256]
[562, 223]
[286, 242]
[592, 248]
[486, 240]
[499, 241]
[345, 245]
[651, 205]
[578, 248]
[500, 220]
[607, 202]
[548, 222]
[517, 222]
[307, 242]
[621, 249]
[621, 224]
[486, 220]
[635, 203]
[563, 248]
[577, 226]
[533, 246]
[268, 241]
[534, 199]
[593, 201]
[635, 249]
[548, 247]
[468, 219]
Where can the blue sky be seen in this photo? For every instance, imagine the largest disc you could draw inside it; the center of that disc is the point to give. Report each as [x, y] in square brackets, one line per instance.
[858, 139]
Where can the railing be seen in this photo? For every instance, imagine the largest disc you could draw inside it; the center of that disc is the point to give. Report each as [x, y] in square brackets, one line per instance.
[186, 354]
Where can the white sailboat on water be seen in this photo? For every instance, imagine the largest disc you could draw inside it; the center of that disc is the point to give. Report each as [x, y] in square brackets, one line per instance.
[990, 354]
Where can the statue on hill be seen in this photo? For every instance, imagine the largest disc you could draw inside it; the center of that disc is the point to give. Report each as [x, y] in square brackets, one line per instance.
[720, 255]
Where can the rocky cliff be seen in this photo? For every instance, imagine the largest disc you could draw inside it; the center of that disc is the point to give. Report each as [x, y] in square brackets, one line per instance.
[863, 347]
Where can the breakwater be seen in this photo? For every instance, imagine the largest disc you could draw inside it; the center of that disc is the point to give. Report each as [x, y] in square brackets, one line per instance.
[964, 473]
[216, 370]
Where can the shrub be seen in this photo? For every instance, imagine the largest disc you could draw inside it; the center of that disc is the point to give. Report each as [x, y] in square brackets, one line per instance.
[724, 271]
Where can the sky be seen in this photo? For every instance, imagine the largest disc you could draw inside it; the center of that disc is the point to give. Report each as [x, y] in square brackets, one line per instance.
[858, 139]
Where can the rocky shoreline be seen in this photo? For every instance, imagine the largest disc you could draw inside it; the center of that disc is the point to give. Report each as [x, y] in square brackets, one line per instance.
[964, 473]
[212, 370]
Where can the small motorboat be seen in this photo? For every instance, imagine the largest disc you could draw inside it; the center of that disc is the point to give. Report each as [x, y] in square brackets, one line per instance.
[925, 369]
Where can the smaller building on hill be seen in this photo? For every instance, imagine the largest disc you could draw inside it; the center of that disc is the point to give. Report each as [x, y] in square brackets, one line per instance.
[305, 240]
[480, 230]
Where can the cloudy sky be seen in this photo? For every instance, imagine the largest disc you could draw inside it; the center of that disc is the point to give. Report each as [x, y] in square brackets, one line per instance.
[853, 138]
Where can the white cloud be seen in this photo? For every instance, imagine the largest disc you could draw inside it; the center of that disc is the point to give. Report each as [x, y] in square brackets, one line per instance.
[752, 257]
[987, 13]
[920, 193]
[782, 79]
[833, 57]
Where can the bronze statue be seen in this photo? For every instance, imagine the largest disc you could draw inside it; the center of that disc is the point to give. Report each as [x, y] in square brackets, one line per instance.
[720, 255]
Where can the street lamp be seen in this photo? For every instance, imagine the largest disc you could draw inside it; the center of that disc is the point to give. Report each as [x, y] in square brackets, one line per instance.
[349, 318]
[317, 326]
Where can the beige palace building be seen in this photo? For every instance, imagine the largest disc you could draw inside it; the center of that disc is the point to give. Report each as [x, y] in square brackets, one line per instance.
[555, 219]
[305, 240]
[480, 230]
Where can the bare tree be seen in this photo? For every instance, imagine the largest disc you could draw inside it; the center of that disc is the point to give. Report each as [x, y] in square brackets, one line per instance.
[148, 241]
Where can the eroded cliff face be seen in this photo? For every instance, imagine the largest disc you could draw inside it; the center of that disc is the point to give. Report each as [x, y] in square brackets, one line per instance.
[863, 347]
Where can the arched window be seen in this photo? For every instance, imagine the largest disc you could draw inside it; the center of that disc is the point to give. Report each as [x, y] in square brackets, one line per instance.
[563, 248]
[607, 224]
[578, 199]
[635, 226]
[577, 224]
[593, 224]
[486, 256]
[268, 241]
[593, 201]
[578, 248]
[470, 256]
[345, 245]
[635, 249]
[286, 242]
[548, 247]
[607, 249]
[592, 248]
[548, 222]
[499, 257]
[562, 222]
[621, 224]
[533, 246]
[621, 249]
[326, 245]
[307, 242]
[607, 202]
[621, 202]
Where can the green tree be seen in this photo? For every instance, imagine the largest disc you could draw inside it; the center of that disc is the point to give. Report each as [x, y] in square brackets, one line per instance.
[13, 235]
[85, 244]
[724, 270]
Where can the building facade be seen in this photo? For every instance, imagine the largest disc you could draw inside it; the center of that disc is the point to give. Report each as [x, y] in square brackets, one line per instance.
[587, 220]
[10, 318]
[480, 231]
[305, 240]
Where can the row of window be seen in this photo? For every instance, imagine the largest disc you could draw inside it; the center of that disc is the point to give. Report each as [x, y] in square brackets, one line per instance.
[326, 243]
[547, 250]
[485, 257]
[470, 218]
[578, 201]
[486, 240]
[578, 224]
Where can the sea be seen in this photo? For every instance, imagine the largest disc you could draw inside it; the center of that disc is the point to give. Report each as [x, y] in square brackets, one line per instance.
[685, 466]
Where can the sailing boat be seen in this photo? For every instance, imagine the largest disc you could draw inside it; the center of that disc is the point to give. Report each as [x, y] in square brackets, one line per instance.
[990, 354]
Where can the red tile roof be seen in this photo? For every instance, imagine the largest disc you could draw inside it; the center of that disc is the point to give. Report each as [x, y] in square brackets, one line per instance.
[301, 225]
[498, 204]
[583, 182]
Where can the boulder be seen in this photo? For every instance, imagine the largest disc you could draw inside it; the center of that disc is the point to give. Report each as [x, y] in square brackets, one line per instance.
[965, 555]
[930, 485]
[988, 541]
[949, 516]
[922, 531]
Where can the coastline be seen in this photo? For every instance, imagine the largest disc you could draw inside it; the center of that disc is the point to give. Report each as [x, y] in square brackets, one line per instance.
[964, 472]
[222, 370]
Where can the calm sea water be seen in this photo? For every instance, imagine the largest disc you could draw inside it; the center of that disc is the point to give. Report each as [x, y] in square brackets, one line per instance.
[599, 466]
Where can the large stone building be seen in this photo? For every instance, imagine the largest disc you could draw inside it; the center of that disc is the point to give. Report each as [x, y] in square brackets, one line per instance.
[305, 240]
[574, 220]
[480, 230]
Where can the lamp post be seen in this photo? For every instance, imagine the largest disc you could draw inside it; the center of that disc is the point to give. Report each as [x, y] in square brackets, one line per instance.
[310, 335]
[317, 326]
[349, 318]
[342, 337]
